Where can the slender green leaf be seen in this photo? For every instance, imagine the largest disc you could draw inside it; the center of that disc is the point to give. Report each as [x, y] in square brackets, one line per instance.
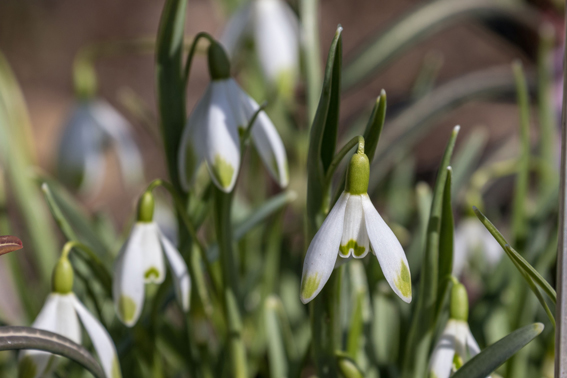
[421, 23]
[467, 158]
[276, 351]
[428, 73]
[310, 26]
[484, 363]
[445, 240]
[374, 126]
[16, 338]
[519, 221]
[516, 257]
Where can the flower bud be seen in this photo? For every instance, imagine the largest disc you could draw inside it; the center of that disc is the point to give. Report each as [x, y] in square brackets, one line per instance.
[62, 279]
[146, 208]
[358, 174]
[219, 65]
[459, 303]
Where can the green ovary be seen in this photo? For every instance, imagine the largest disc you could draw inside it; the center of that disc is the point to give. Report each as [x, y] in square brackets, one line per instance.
[152, 272]
[309, 285]
[223, 171]
[403, 281]
[358, 250]
[27, 368]
[126, 308]
[115, 369]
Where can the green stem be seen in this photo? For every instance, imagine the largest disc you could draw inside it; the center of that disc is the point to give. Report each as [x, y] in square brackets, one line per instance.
[191, 53]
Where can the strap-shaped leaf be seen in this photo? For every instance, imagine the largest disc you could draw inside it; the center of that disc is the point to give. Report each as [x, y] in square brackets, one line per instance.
[420, 24]
[375, 125]
[16, 338]
[445, 241]
[324, 118]
[495, 355]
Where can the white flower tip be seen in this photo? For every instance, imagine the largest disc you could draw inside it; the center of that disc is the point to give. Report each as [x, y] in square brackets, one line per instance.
[449, 169]
[339, 30]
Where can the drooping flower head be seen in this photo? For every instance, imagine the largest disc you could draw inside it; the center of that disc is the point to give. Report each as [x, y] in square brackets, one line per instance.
[472, 238]
[61, 314]
[457, 344]
[141, 260]
[94, 125]
[275, 30]
[212, 133]
[352, 229]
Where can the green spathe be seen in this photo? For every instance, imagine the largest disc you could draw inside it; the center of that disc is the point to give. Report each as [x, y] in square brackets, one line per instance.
[146, 208]
[403, 281]
[459, 303]
[358, 174]
[219, 65]
[62, 279]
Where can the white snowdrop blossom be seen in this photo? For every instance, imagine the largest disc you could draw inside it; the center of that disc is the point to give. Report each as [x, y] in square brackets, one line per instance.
[456, 345]
[141, 260]
[61, 314]
[471, 238]
[350, 229]
[274, 28]
[93, 126]
[212, 133]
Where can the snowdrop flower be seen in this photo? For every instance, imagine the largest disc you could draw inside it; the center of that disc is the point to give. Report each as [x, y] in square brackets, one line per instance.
[212, 131]
[352, 226]
[275, 30]
[472, 237]
[95, 124]
[457, 344]
[141, 261]
[61, 314]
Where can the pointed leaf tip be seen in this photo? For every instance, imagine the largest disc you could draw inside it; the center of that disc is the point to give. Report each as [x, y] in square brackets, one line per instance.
[9, 244]
[456, 129]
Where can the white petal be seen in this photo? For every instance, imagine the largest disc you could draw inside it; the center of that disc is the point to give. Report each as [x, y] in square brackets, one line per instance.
[118, 128]
[276, 35]
[149, 250]
[57, 316]
[388, 250]
[355, 238]
[235, 29]
[80, 160]
[128, 280]
[101, 340]
[189, 156]
[461, 334]
[181, 279]
[442, 356]
[323, 251]
[472, 345]
[221, 141]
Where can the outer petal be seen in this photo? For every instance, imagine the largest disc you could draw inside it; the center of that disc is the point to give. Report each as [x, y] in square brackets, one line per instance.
[190, 157]
[101, 340]
[221, 141]
[266, 139]
[442, 356]
[181, 279]
[461, 334]
[354, 241]
[472, 345]
[149, 249]
[128, 282]
[276, 35]
[235, 29]
[322, 252]
[80, 160]
[388, 250]
[118, 128]
[58, 316]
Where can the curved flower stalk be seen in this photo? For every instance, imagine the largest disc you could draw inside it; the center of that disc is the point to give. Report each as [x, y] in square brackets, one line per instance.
[212, 131]
[456, 345]
[141, 261]
[274, 28]
[350, 229]
[93, 125]
[471, 237]
[61, 314]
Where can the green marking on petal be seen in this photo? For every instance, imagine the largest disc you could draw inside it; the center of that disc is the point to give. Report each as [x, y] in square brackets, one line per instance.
[457, 362]
[115, 373]
[403, 281]
[432, 375]
[27, 367]
[357, 250]
[309, 285]
[126, 308]
[223, 171]
[152, 272]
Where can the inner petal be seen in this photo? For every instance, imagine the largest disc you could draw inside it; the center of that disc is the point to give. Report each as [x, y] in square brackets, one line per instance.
[354, 241]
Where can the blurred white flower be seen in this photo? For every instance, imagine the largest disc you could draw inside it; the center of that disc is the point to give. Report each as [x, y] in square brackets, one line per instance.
[275, 30]
[92, 127]
[348, 231]
[472, 238]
